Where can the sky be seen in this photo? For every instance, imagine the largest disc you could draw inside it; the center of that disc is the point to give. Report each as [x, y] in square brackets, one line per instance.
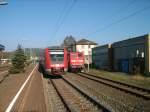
[42, 23]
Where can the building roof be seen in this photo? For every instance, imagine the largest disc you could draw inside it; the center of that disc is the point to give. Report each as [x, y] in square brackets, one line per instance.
[131, 41]
[106, 46]
[2, 47]
[85, 42]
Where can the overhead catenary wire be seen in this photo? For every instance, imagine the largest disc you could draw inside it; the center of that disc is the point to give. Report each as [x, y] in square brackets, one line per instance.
[120, 20]
[60, 18]
[130, 3]
[64, 17]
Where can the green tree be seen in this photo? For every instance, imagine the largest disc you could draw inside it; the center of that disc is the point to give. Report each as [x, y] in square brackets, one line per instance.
[18, 61]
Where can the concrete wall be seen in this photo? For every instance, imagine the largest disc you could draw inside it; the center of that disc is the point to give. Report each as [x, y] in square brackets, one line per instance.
[87, 51]
[85, 48]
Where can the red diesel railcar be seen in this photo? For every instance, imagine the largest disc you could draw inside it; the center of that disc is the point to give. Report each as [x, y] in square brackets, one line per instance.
[54, 61]
[76, 61]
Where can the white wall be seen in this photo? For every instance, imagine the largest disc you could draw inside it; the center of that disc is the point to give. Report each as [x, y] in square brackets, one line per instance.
[84, 49]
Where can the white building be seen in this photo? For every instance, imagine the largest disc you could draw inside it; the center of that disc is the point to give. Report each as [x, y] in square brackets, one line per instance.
[86, 46]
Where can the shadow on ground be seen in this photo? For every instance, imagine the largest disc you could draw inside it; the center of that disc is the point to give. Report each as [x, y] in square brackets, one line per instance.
[49, 76]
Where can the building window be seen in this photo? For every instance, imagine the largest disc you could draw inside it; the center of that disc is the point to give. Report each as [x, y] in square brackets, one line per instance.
[142, 54]
[87, 58]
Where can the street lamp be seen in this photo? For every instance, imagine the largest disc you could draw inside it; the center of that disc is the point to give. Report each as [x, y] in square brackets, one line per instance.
[3, 2]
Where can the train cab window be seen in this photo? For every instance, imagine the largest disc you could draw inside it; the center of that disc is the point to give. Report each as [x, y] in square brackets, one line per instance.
[57, 57]
[79, 55]
[73, 55]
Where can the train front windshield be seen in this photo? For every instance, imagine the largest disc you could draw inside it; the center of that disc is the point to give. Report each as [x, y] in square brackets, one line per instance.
[57, 58]
[73, 55]
[76, 55]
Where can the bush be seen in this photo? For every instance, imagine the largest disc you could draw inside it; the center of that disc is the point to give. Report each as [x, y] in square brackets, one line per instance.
[13, 70]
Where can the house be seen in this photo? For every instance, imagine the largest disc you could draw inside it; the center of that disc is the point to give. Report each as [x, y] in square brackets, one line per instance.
[86, 46]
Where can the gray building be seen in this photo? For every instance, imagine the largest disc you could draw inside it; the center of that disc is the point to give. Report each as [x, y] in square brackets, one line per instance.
[1, 52]
[102, 57]
[132, 55]
[32, 52]
[69, 43]
[2, 47]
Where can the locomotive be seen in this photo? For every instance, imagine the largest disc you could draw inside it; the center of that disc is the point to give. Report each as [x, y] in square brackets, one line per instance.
[57, 61]
[76, 61]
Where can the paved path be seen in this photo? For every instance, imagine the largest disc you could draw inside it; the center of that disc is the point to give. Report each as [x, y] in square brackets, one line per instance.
[3, 74]
[31, 97]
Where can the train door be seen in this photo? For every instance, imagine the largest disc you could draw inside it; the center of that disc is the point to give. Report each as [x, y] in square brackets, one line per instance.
[125, 65]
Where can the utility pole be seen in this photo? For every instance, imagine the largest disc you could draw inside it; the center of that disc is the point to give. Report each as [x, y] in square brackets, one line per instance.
[88, 58]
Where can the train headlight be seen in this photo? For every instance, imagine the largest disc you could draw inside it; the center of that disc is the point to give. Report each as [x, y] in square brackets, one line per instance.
[57, 65]
[80, 60]
[73, 60]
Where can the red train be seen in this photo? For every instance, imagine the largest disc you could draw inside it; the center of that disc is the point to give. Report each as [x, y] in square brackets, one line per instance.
[76, 61]
[56, 61]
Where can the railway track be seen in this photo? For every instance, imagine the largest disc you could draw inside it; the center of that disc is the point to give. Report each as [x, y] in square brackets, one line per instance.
[74, 98]
[134, 90]
[114, 100]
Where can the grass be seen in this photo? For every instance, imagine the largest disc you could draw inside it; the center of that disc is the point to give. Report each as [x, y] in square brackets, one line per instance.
[137, 80]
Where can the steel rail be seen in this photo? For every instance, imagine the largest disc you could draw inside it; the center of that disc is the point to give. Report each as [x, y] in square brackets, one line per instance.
[61, 97]
[99, 80]
[100, 106]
